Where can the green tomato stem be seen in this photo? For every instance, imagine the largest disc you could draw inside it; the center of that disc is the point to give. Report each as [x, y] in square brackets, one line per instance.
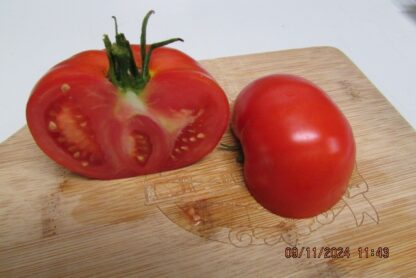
[146, 59]
[144, 35]
[123, 71]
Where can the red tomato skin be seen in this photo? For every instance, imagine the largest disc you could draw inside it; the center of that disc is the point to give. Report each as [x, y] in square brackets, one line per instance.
[298, 147]
[168, 59]
[113, 118]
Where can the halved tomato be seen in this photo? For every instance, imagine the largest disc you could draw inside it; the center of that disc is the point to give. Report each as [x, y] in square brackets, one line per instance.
[127, 110]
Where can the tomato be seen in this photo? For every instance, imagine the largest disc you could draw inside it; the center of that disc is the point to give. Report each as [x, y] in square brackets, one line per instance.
[127, 110]
[299, 149]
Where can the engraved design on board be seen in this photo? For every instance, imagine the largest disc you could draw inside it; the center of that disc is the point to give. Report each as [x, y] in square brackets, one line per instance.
[220, 208]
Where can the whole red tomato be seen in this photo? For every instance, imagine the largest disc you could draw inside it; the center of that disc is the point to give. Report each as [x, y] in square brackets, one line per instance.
[127, 110]
[299, 150]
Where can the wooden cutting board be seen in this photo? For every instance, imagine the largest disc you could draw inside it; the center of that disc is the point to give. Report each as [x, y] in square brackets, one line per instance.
[200, 220]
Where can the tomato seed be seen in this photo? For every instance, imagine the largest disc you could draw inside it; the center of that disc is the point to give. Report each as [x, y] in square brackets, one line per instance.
[84, 164]
[140, 158]
[191, 211]
[196, 218]
[192, 139]
[65, 88]
[200, 135]
[184, 148]
[76, 155]
[83, 124]
[52, 126]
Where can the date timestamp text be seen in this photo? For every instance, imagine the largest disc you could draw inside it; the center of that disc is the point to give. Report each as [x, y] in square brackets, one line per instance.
[335, 252]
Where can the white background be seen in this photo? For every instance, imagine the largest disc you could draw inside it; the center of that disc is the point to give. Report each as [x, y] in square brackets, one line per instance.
[378, 35]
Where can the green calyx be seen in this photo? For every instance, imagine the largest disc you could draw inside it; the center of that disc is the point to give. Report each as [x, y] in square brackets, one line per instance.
[236, 148]
[123, 71]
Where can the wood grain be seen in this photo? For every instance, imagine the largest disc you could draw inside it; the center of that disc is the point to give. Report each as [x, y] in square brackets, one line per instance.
[200, 220]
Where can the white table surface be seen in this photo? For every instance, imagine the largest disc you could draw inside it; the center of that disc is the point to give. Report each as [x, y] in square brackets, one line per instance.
[377, 35]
